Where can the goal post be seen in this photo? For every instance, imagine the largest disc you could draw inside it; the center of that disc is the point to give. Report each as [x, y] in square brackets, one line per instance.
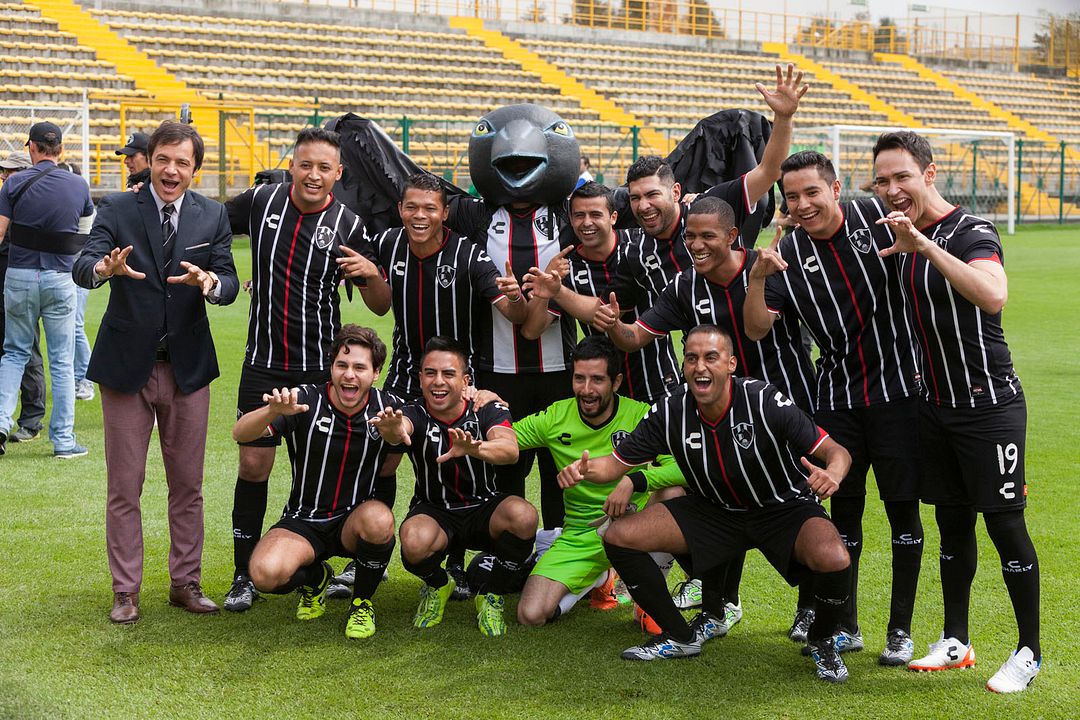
[975, 168]
[73, 119]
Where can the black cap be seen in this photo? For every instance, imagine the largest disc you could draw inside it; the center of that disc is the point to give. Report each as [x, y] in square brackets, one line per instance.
[136, 143]
[39, 132]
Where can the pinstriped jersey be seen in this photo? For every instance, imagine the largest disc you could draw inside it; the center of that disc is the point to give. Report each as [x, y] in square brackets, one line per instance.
[778, 358]
[463, 482]
[294, 312]
[335, 457]
[747, 458]
[852, 303]
[965, 359]
[447, 293]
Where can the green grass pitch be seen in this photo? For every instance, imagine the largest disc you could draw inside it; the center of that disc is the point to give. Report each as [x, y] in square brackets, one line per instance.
[60, 657]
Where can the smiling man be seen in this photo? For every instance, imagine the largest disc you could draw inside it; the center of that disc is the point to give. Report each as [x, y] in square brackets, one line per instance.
[135, 159]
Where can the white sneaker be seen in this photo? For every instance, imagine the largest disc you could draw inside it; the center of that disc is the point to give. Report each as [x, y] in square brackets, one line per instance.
[945, 654]
[732, 615]
[1016, 674]
[84, 390]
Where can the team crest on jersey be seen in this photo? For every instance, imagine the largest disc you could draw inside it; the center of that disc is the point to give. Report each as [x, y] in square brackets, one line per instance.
[472, 427]
[373, 432]
[323, 237]
[743, 434]
[861, 240]
[445, 274]
[542, 223]
[617, 437]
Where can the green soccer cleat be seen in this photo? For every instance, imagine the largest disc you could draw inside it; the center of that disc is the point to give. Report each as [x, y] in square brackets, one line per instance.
[313, 600]
[489, 614]
[361, 622]
[432, 604]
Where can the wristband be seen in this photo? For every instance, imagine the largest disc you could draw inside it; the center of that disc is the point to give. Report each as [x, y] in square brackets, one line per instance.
[637, 479]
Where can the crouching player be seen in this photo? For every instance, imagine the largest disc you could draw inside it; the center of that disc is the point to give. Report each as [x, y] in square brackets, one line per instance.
[453, 447]
[336, 458]
[736, 441]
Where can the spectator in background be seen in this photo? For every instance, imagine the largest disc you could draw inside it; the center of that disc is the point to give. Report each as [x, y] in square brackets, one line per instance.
[585, 175]
[135, 158]
[84, 389]
[32, 388]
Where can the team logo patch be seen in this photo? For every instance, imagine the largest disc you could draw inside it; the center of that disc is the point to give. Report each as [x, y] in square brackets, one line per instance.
[323, 237]
[617, 437]
[861, 240]
[445, 275]
[743, 434]
[373, 432]
[542, 223]
[472, 427]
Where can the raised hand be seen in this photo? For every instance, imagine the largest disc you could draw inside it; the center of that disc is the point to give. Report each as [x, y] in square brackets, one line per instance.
[461, 444]
[194, 276]
[284, 401]
[574, 473]
[908, 238]
[115, 265]
[391, 425]
[355, 265]
[543, 285]
[508, 284]
[607, 315]
[768, 263]
[784, 100]
[820, 480]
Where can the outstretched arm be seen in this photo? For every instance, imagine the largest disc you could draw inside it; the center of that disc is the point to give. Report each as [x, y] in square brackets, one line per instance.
[627, 338]
[602, 470]
[500, 448]
[255, 424]
[784, 101]
[757, 317]
[394, 427]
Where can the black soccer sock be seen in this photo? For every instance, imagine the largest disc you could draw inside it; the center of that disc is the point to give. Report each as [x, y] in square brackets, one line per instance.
[907, 548]
[712, 590]
[958, 561]
[371, 561]
[455, 552]
[847, 513]
[831, 598]
[687, 565]
[552, 509]
[249, 509]
[806, 594]
[429, 569]
[307, 576]
[510, 553]
[646, 585]
[1020, 569]
[733, 578]
[385, 490]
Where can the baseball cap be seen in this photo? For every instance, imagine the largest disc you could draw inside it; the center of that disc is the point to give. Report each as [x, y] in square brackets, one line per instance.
[136, 143]
[39, 132]
[18, 160]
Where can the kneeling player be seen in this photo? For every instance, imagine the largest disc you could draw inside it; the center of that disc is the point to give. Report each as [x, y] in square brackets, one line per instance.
[336, 458]
[735, 440]
[453, 447]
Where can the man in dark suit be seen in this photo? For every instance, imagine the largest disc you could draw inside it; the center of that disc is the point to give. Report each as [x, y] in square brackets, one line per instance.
[167, 252]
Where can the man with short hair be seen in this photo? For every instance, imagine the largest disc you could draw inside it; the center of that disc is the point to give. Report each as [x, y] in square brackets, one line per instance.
[165, 252]
[454, 448]
[49, 214]
[973, 418]
[735, 440]
[828, 273]
[332, 508]
[135, 159]
[301, 239]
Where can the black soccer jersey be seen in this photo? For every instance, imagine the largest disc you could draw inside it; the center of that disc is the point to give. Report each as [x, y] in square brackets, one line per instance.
[650, 373]
[746, 458]
[448, 293]
[965, 360]
[294, 311]
[463, 482]
[335, 457]
[778, 358]
[852, 303]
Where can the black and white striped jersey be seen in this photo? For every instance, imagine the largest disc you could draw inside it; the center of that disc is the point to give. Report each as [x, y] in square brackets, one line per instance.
[450, 292]
[463, 482]
[294, 311]
[852, 303]
[965, 360]
[779, 358]
[335, 457]
[747, 458]
[650, 373]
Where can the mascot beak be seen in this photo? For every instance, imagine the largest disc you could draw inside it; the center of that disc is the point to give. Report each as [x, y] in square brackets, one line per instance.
[519, 153]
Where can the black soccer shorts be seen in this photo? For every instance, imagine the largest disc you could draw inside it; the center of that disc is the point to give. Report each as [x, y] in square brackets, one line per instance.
[468, 527]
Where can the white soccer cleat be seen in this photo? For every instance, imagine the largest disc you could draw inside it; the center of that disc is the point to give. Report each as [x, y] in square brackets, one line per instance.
[1016, 674]
[687, 594]
[945, 654]
[662, 647]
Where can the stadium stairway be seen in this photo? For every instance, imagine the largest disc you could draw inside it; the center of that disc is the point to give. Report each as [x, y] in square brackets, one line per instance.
[551, 75]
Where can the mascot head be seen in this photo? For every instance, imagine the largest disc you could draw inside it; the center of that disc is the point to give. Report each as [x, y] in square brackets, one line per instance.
[523, 153]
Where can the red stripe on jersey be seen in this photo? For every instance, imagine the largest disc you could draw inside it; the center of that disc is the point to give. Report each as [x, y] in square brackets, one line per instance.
[615, 454]
[288, 274]
[922, 331]
[821, 438]
[341, 470]
[862, 323]
[992, 258]
[738, 332]
[657, 333]
[723, 470]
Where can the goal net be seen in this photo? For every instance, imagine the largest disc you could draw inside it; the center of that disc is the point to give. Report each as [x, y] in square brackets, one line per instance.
[73, 120]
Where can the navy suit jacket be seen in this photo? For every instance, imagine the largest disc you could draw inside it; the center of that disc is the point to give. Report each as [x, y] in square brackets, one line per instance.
[140, 310]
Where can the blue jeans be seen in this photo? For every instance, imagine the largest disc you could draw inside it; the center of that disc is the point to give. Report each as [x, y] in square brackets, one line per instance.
[48, 296]
[82, 345]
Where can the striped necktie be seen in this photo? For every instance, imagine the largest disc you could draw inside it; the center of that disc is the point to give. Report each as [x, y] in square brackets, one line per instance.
[168, 233]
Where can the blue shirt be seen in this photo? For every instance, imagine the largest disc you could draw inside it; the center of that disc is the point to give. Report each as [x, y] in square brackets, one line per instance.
[54, 203]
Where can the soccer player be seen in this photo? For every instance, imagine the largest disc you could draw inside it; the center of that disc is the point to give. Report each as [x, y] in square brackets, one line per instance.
[828, 273]
[593, 421]
[973, 418]
[301, 238]
[336, 461]
[454, 448]
[736, 441]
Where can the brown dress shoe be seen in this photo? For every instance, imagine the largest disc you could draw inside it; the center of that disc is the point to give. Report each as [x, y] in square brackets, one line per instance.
[191, 598]
[125, 608]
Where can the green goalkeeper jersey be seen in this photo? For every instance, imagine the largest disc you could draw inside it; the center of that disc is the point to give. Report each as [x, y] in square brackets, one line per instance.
[561, 429]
